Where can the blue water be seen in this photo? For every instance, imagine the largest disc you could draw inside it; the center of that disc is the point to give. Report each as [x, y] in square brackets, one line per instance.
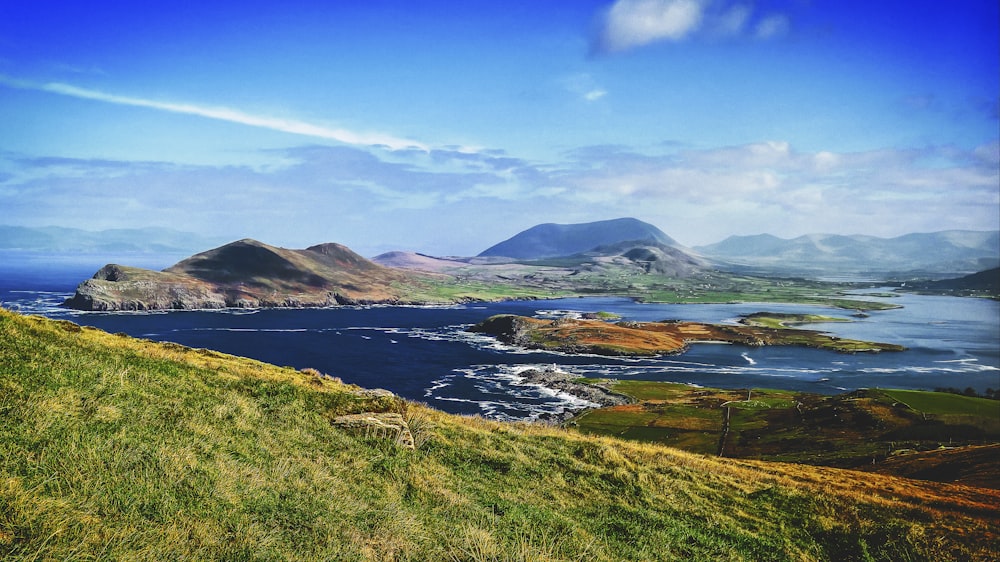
[425, 354]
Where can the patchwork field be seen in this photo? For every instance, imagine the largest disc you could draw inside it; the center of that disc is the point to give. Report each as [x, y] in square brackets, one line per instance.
[849, 430]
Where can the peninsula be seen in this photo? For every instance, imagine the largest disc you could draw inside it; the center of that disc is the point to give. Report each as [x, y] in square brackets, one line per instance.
[598, 337]
[251, 274]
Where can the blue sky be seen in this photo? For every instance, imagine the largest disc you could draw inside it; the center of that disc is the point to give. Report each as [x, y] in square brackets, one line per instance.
[444, 127]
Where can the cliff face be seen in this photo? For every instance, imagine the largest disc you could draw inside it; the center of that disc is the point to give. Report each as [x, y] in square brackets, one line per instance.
[245, 274]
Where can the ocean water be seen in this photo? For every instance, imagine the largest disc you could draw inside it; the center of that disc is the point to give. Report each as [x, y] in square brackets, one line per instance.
[426, 354]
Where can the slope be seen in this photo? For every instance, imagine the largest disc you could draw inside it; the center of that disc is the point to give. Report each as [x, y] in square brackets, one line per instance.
[117, 448]
[982, 283]
[554, 240]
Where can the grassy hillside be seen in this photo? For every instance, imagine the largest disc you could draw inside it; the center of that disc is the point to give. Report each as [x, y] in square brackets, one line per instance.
[117, 448]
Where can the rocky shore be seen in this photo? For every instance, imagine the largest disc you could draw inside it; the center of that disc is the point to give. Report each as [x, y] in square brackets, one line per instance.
[646, 339]
[566, 382]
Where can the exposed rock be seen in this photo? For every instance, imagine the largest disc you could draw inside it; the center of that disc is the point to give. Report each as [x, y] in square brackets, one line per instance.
[372, 425]
[374, 393]
[565, 382]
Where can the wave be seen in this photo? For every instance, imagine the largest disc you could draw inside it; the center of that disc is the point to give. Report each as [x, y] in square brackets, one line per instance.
[500, 392]
[202, 329]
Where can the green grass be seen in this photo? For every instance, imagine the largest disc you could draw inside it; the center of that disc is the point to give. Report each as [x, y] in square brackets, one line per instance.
[113, 448]
[847, 430]
[947, 404]
[777, 321]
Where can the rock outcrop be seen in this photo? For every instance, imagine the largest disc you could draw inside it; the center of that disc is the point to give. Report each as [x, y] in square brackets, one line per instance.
[566, 382]
[378, 425]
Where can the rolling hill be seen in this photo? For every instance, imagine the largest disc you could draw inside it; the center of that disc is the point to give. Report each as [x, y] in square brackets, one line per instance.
[118, 448]
[985, 283]
[248, 273]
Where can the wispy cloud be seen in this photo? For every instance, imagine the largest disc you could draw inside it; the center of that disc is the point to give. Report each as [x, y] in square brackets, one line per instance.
[222, 114]
[698, 195]
[628, 24]
[772, 26]
[584, 85]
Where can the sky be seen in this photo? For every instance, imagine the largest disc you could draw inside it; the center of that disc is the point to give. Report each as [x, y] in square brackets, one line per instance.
[445, 127]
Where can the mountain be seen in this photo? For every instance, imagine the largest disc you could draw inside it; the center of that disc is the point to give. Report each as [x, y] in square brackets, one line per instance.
[117, 448]
[555, 240]
[984, 283]
[649, 257]
[420, 262]
[946, 252]
[247, 273]
[52, 239]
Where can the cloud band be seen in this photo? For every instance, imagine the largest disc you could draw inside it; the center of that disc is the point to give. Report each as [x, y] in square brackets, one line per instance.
[222, 114]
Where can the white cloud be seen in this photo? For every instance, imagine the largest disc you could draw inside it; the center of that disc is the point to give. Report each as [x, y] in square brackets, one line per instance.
[632, 23]
[408, 198]
[769, 186]
[223, 114]
[629, 24]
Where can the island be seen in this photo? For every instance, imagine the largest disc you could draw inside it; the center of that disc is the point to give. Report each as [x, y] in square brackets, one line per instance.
[637, 339]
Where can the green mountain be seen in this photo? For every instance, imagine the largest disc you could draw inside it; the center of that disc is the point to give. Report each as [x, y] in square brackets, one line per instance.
[555, 240]
[113, 448]
[986, 283]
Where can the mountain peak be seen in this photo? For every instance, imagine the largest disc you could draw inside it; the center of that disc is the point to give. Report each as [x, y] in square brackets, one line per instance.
[554, 240]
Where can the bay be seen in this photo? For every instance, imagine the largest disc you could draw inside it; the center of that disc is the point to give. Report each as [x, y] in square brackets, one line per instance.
[426, 354]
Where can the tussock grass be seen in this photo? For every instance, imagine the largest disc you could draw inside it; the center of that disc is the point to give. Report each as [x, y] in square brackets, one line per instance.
[116, 448]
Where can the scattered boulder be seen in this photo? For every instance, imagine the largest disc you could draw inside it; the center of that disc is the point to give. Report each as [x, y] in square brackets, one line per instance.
[382, 425]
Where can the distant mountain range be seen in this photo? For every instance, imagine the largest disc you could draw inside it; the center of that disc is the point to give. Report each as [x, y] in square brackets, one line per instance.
[623, 245]
[54, 239]
[557, 240]
[938, 254]
[950, 252]
[545, 260]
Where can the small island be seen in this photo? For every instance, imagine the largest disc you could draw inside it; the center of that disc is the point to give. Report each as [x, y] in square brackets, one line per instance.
[587, 336]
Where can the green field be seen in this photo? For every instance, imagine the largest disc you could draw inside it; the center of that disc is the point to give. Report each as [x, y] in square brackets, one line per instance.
[947, 404]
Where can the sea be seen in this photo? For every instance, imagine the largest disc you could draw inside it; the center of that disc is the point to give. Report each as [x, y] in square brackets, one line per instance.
[428, 355]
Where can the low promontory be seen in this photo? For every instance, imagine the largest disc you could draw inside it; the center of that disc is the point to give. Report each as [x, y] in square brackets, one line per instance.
[598, 337]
